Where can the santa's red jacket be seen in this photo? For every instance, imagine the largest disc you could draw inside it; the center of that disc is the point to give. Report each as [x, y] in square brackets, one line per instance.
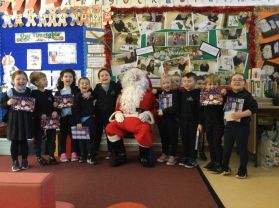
[132, 124]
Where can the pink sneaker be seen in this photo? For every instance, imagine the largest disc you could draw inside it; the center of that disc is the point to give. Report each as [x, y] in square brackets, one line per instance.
[63, 157]
[74, 157]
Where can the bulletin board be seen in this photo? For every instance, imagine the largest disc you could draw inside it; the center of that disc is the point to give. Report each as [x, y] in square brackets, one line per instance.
[175, 36]
[73, 35]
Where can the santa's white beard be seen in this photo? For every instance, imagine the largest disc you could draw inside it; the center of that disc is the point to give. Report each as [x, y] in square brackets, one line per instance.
[130, 98]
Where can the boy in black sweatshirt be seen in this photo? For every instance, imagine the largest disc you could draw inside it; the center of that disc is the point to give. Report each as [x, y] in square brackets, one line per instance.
[84, 116]
[212, 120]
[189, 118]
[239, 106]
[43, 109]
[105, 94]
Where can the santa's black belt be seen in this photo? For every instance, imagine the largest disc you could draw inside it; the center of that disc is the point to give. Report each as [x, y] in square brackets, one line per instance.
[139, 110]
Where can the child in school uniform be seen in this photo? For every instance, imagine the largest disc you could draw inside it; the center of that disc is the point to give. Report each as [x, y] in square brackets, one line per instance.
[19, 121]
[167, 121]
[84, 113]
[43, 110]
[239, 106]
[200, 85]
[189, 118]
[66, 85]
[105, 94]
[176, 81]
[212, 121]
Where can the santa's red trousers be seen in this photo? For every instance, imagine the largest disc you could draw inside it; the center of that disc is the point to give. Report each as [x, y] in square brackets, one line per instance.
[141, 130]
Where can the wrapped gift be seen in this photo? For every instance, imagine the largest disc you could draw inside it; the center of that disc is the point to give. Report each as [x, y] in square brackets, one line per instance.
[64, 101]
[211, 97]
[165, 101]
[82, 133]
[23, 103]
[50, 123]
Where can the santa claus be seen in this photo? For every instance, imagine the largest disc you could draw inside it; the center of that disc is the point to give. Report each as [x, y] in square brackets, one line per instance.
[134, 114]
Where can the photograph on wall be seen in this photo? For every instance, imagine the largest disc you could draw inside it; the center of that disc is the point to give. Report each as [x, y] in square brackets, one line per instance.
[147, 24]
[233, 21]
[201, 67]
[151, 17]
[183, 64]
[122, 62]
[232, 38]
[202, 24]
[195, 53]
[240, 61]
[224, 77]
[232, 60]
[217, 18]
[225, 60]
[270, 50]
[124, 23]
[156, 39]
[176, 39]
[179, 20]
[271, 69]
[150, 65]
[269, 26]
[34, 59]
[62, 53]
[244, 19]
[196, 38]
[125, 42]
[177, 65]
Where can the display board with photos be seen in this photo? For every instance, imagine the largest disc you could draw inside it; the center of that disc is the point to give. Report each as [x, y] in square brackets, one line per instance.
[268, 39]
[173, 42]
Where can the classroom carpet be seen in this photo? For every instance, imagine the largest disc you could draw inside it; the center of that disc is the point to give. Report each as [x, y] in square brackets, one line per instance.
[100, 186]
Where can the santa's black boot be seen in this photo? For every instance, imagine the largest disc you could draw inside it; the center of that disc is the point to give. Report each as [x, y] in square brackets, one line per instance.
[146, 157]
[122, 152]
[118, 157]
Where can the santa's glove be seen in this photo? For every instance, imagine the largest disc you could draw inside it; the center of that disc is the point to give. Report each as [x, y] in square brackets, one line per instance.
[144, 116]
[119, 117]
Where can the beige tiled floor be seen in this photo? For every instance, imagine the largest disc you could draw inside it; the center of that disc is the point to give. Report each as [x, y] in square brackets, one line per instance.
[259, 190]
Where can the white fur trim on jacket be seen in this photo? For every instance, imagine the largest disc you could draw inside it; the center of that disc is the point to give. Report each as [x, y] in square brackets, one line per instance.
[150, 121]
[114, 138]
[112, 116]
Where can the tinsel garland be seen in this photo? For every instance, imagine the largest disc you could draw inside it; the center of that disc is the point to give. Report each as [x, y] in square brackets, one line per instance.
[108, 41]
[225, 10]
[252, 47]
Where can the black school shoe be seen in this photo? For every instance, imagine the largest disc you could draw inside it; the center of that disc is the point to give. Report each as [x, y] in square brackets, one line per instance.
[217, 169]
[16, 167]
[241, 174]
[42, 161]
[24, 164]
[82, 159]
[209, 165]
[52, 161]
[91, 160]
